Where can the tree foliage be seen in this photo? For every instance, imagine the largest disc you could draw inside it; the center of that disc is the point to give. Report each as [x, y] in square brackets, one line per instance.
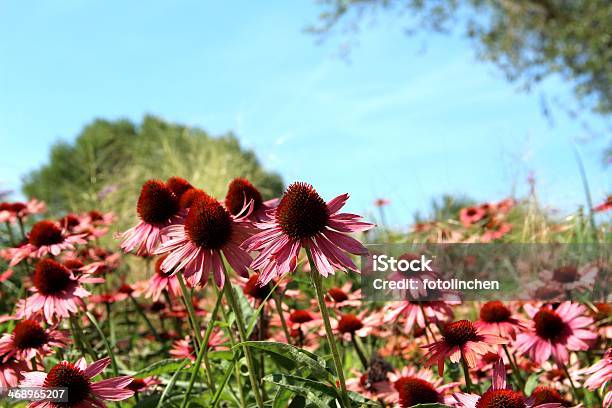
[109, 160]
[529, 40]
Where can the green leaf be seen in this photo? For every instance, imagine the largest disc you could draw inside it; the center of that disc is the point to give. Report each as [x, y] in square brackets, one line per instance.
[361, 400]
[320, 394]
[531, 383]
[291, 357]
[161, 367]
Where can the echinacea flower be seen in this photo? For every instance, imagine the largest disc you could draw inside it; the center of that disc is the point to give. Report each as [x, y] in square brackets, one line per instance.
[499, 395]
[599, 373]
[46, 237]
[82, 392]
[10, 372]
[471, 215]
[57, 292]
[555, 332]
[29, 339]
[374, 383]
[158, 207]
[178, 185]
[139, 385]
[360, 325]
[570, 277]
[543, 395]
[183, 348]
[161, 281]
[421, 313]
[196, 247]
[497, 318]
[252, 289]
[605, 206]
[461, 339]
[10, 212]
[303, 220]
[419, 387]
[240, 192]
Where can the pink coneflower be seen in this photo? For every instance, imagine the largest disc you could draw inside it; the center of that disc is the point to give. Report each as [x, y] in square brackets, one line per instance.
[555, 332]
[10, 372]
[546, 395]
[570, 277]
[344, 296]
[303, 219]
[29, 339]
[499, 395]
[183, 348]
[495, 317]
[374, 384]
[46, 237]
[419, 387]
[197, 245]
[82, 392]
[240, 192]
[178, 186]
[421, 313]
[252, 289]
[57, 292]
[471, 215]
[359, 325]
[495, 230]
[461, 339]
[161, 281]
[139, 385]
[10, 212]
[381, 202]
[605, 206]
[158, 207]
[600, 374]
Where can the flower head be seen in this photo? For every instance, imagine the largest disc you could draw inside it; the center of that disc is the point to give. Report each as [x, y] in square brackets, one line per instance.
[471, 215]
[461, 339]
[56, 292]
[45, 237]
[161, 281]
[555, 332]
[196, 247]
[303, 220]
[499, 395]
[157, 207]
[498, 318]
[29, 339]
[77, 379]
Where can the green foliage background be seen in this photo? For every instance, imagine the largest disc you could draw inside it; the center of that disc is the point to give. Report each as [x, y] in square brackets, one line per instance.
[109, 160]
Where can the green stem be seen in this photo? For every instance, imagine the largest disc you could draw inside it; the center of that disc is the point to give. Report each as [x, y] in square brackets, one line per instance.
[318, 284]
[466, 374]
[360, 353]
[190, 312]
[145, 318]
[279, 309]
[106, 343]
[515, 370]
[202, 355]
[234, 367]
[229, 293]
[569, 377]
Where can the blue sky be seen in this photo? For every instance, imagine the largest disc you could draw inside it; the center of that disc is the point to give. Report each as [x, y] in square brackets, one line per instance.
[408, 118]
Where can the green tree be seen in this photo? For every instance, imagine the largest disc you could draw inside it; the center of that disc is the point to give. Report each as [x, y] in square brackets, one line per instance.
[528, 39]
[109, 160]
